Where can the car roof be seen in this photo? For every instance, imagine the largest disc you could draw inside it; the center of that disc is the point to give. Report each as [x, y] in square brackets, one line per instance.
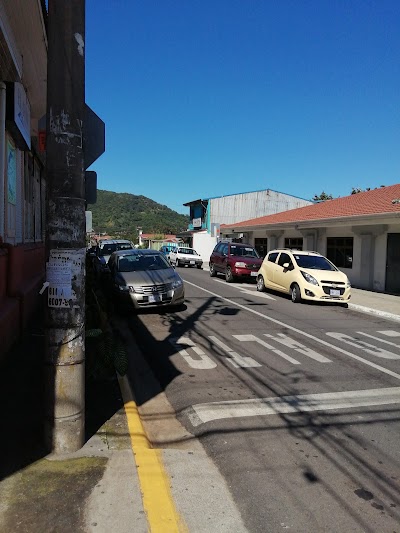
[237, 243]
[113, 241]
[294, 251]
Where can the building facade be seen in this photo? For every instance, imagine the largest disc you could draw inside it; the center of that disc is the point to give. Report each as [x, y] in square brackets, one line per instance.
[208, 215]
[359, 233]
[23, 73]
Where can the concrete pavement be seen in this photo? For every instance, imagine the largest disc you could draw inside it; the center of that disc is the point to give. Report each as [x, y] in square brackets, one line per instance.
[104, 486]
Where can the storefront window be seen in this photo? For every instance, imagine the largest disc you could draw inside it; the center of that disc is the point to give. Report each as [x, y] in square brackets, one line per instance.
[340, 251]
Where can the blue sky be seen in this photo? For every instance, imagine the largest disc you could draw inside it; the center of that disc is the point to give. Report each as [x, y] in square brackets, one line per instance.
[203, 98]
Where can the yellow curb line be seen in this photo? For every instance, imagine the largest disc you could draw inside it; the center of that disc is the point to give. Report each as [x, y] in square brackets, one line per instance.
[158, 503]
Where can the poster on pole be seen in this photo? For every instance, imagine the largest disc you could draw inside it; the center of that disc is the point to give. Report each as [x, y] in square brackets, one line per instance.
[63, 267]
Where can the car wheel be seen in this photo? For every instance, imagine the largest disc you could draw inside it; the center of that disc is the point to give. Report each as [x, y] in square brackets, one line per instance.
[260, 284]
[199, 266]
[212, 270]
[228, 275]
[296, 294]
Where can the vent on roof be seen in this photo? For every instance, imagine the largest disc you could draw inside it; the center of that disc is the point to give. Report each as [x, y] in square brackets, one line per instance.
[396, 201]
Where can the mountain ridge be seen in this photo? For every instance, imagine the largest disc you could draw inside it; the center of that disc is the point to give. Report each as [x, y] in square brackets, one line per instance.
[125, 212]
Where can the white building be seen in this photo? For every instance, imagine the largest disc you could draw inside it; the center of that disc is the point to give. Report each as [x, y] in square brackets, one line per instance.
[207, 216]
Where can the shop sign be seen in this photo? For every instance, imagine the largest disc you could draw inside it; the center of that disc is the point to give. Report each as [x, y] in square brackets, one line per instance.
[19, 115]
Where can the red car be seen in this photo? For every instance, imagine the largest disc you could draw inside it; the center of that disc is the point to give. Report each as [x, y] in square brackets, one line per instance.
[234, 260]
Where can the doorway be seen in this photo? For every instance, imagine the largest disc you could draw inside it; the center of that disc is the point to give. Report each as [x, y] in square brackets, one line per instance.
[393, 263]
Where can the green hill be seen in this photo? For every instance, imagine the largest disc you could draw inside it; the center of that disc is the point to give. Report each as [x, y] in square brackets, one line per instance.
[122, 213]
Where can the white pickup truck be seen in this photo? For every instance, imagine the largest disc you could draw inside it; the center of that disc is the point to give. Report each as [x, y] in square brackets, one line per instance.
[185, 257]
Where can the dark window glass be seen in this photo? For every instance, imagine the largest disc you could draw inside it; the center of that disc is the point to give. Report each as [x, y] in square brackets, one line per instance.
[272, 257]
[339, 250]
[295, 243]
[284, 258]
[261, 245]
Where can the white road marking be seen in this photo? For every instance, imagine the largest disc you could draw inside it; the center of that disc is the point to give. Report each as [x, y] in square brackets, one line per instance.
[291, 343]
[379, 339]
[390, 333]
[253, 338]
[206, 412]
[365, 346]
[300, 332]
[242, 287]
[204, 363]
[234, 358]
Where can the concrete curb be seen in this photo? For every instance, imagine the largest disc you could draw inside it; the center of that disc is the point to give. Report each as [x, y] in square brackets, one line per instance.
[375, 312]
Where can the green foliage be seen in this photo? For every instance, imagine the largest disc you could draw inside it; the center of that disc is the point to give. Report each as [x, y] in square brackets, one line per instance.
[119, 214]
[322, 197]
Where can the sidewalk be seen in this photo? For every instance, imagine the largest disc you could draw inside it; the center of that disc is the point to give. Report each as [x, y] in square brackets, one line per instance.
[102, 487]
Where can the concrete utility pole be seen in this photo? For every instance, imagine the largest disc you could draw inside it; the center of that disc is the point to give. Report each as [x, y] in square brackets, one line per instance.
[65, 234]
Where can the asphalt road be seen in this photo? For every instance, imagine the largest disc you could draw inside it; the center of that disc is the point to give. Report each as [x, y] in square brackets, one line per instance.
[297, 404]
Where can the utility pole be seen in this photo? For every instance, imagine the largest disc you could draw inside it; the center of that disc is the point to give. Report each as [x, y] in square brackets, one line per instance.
[65, 232]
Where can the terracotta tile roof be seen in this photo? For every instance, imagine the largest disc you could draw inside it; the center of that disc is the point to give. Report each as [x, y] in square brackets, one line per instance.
[152, 235]
[376, 202]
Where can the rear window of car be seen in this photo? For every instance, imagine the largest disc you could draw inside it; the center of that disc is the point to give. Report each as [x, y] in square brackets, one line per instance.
[107, 249]
[124, 246]
[243, 251]
[142, 262]
[187, 251]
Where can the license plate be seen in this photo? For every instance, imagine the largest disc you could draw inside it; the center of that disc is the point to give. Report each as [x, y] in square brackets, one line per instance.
[334, 292]
[153, 298]
[192, 262]
[253, 273]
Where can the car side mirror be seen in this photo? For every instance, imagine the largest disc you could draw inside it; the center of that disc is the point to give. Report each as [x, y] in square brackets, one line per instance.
[285, 266]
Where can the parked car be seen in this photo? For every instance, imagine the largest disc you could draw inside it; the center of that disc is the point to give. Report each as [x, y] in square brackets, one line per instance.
[140, 279]
[166, 249]
[185, 257]
[304, 275]
[234, 260]
[103, 250]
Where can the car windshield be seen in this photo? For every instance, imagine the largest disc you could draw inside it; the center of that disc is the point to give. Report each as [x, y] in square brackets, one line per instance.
[139, 262]
[315, 262]
[244, 251]
[188, 251]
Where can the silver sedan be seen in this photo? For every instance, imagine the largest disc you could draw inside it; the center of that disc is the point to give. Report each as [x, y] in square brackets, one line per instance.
[144, 278]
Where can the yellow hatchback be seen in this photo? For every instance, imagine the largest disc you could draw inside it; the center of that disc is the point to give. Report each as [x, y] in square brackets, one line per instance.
[304, 275]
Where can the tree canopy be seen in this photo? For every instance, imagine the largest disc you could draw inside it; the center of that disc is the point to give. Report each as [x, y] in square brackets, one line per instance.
[123, 213]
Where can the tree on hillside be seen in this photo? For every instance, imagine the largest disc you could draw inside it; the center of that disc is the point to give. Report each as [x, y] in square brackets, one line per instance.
[355, 190]
[322, 197]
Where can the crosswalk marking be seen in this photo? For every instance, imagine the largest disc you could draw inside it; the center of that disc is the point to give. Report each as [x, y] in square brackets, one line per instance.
[203, 363]
[253, 338]
[234, 358]
[207, 412]
[298, 347]
[390, 333]
[378, 339]
[365, 346]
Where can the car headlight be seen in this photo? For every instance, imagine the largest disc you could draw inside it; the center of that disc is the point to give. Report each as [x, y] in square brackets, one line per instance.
[308, 277]
[240, 264]
[124, 288]
[177, 283]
